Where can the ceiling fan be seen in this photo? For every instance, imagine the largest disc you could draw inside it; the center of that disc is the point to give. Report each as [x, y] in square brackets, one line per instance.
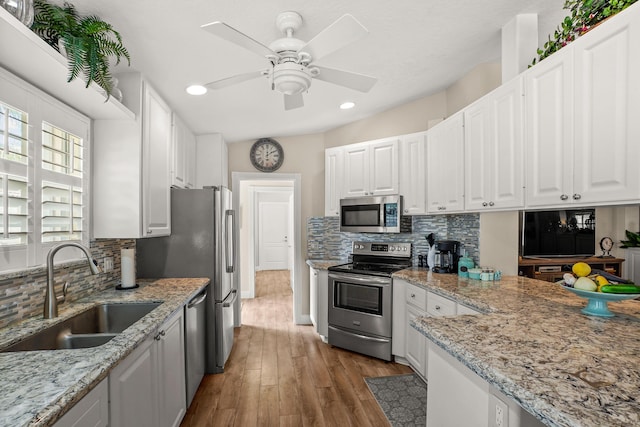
[292, 61]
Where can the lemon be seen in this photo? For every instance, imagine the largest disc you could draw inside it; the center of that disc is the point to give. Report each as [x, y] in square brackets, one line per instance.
[581, 269]
[601, 281]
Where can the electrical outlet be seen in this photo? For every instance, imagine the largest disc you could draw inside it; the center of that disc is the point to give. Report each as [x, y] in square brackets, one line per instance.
[107, 264]
[499, 416]
[498, 412]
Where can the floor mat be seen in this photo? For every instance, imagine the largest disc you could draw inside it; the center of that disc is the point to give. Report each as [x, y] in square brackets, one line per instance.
[403, 398]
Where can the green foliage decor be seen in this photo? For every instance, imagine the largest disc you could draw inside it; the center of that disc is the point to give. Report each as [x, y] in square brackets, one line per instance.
[585, 14]
[633, 240]
[88, 41]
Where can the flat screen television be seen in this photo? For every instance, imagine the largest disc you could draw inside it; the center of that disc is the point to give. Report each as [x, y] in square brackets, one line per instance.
[558, 233]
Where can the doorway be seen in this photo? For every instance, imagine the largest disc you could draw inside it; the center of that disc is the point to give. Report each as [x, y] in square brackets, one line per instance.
[279, 194]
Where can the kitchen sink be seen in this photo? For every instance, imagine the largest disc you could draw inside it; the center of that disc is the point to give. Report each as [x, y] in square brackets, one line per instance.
[91, 328]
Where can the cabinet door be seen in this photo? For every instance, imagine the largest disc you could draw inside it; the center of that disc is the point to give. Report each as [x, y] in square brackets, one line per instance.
[313, 297]
[156, 145]
[413, 177]
[607, 112]
[416, 343]
[178, 151]
[190, 160]
[507, 146]
[333, 180]
[549, 130]
[398, 321]
[383, 170]
[445, 166]
[494, 150]
[133, 388]
[356, 170]
[323, 303]
[171, 372]
[478, 154]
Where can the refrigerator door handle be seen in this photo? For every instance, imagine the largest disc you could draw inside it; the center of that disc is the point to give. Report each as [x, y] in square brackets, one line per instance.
[234, 295]
[230, 253]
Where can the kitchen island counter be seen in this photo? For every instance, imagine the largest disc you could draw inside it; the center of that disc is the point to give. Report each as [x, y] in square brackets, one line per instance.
[324, 264]
[534, 345]
[38, 387]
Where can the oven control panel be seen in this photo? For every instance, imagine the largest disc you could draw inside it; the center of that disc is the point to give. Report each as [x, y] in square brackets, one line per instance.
[397, 249]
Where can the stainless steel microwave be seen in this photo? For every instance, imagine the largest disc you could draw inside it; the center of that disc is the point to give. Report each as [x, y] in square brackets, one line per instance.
[376, 214]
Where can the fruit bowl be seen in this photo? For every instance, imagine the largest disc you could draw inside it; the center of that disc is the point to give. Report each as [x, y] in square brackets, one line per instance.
[597, 301]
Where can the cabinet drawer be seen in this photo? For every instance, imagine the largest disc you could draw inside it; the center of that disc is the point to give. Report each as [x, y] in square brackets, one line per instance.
[440, 306]
[416, 296]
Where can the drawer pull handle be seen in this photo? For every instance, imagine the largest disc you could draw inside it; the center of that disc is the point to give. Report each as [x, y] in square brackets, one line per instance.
[437, 307]
[413, 295]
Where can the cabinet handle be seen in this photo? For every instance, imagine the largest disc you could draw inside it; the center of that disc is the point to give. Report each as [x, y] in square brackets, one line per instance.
[149, 231]
[484, 203]
[160, 335]
[564, 197]
[413, 295]
[437, 307]
[577, 197]
[406, 211]
[491, 203]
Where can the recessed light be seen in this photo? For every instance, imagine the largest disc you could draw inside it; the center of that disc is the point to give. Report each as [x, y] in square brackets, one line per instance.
[196, 90]
[347, 105]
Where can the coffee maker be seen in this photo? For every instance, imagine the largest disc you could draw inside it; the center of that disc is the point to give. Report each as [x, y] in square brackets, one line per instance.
[447, 255]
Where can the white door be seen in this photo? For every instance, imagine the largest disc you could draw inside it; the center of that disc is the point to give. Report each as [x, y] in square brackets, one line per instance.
[273, 236]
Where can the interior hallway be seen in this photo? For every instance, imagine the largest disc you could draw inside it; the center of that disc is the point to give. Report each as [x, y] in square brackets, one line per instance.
[281, 374]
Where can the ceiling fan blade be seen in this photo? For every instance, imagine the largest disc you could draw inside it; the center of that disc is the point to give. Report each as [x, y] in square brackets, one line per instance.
[292, 102]
[219, 84]
[342, 32]
[359, 82]
[232, 35]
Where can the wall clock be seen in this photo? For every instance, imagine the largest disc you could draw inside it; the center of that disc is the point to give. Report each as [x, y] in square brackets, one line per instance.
[266, 155]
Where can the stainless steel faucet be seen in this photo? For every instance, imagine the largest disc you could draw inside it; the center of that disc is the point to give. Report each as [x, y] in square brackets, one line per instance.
[50, 299]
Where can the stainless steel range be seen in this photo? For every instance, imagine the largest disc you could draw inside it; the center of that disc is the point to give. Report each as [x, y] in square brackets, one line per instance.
[360, 297]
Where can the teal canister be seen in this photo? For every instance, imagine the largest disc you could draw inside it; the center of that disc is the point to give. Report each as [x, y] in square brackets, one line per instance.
[464, 264]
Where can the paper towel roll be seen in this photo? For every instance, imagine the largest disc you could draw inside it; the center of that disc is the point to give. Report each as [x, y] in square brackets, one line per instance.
[128, 268]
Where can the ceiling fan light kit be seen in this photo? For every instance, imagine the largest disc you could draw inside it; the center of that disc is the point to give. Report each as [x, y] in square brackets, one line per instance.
[292, 60]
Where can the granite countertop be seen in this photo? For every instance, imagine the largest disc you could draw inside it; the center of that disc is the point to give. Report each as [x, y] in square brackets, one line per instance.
[535, 346]
[323, 264]
[38, 387]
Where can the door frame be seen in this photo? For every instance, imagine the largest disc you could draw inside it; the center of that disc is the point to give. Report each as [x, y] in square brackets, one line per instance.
[298, 264]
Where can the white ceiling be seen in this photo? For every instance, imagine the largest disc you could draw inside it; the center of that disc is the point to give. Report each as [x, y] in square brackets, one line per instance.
[415, 48]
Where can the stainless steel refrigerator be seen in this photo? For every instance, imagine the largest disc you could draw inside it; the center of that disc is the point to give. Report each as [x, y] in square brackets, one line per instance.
[202, 244]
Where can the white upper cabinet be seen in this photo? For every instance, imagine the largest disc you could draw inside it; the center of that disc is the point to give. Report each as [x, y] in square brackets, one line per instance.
[607, 112]
[413, 177]
[445, 166]
[549, 130]
[212, 161]
[494, 150]
[333, 180]
[131, 168]
[183, 153]
[371, 168]
[582, 129]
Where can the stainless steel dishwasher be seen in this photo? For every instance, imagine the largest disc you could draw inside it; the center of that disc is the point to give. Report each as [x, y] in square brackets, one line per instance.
[195, 342]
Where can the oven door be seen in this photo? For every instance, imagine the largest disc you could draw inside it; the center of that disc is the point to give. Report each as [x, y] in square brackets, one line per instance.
[360, 303]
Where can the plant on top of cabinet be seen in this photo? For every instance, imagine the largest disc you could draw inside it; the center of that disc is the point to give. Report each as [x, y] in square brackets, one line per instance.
[88, 41]
[585, 14]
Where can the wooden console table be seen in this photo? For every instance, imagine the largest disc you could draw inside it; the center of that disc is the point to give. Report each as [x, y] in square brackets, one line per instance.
[552, 269]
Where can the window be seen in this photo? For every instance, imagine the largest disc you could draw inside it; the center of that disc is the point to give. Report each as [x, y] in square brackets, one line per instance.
[44, 175]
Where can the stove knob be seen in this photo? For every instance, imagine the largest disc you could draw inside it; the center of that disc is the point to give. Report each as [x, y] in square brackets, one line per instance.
[404, 249]
[360, 246]
[392, 248]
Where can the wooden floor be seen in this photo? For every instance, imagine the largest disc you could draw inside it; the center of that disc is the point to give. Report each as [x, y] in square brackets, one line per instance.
[281, 374]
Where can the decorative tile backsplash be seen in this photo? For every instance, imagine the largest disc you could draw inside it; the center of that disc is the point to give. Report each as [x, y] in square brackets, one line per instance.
[325, 241]
[22, 293]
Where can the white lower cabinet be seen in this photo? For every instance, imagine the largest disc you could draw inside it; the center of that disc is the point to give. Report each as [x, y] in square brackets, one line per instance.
[409, 346]
[91, 411]
[319, 303]
[459, 397]
[148, 387]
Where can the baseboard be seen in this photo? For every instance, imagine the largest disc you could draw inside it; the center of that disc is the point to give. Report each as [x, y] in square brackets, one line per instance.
[304, 319]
